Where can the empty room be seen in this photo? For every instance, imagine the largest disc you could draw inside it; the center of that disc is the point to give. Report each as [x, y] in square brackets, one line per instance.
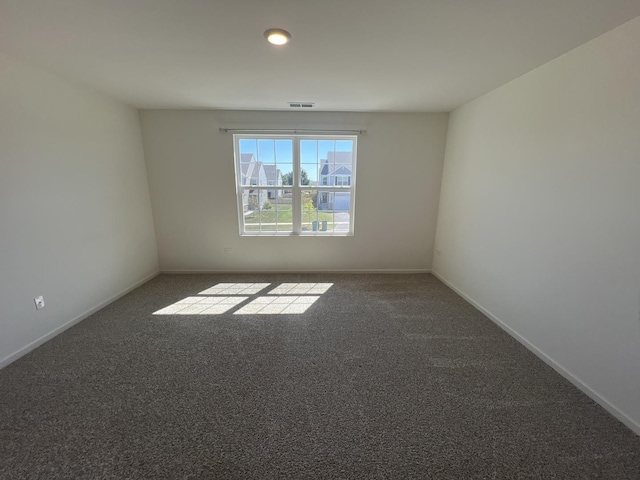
[354, 239]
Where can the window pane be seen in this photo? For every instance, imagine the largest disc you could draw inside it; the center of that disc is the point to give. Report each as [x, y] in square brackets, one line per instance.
[251, 214]
[308, 151]
[286, 171]
[325, 221]
[253, 200]
[266, 151]
[268, 220]
[309, 211]
[336, 163]
[319, 212]
[309, 162]
[344, 146]
[342, 204]
[284, 151]
[284, 217]
[308, 174]
[341, 201]
[248, 146]
[283, 170]
[272, 175]
[323, 200]
[334, 208]
[325, 146]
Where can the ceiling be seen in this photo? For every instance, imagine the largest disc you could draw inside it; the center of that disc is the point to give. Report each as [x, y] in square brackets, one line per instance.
[345, 55]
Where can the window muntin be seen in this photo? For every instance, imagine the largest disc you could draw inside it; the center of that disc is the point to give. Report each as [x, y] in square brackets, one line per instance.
[301, 185]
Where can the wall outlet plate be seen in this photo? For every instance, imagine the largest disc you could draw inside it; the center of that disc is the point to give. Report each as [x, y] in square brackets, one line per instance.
[39, 301]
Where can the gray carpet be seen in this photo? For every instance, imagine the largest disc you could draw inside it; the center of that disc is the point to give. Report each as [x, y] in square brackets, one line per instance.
[384, 376]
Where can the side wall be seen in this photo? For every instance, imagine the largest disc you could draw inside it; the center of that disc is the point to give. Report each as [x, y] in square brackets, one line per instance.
[539, 220]
[191, 176]
[75, 212]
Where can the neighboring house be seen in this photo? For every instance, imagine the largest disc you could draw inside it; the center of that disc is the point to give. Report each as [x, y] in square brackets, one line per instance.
[253, 173]
[274, 177]
[336, 170]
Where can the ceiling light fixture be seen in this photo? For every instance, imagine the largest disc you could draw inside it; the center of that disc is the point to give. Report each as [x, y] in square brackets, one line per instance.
[277, 36]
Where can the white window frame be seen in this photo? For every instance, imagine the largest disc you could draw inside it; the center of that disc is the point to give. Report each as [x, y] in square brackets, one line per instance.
[296, 188]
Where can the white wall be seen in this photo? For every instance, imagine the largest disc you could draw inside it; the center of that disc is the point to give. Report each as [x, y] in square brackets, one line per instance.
[539, 220]
[191, 177]
[75, 213]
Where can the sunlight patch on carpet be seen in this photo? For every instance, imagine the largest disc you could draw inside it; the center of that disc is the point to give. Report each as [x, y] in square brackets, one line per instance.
[201, 306]
[301, 289]
[285, 298]
[275, 305]
[235, 289]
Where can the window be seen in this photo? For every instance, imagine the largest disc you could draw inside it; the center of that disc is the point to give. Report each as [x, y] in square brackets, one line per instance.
[295, 185]
[342, 180]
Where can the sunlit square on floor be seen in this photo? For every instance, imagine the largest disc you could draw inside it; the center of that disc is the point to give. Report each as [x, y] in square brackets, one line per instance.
[301, 289]
[201, 306]
[235, 289]
[278, 305]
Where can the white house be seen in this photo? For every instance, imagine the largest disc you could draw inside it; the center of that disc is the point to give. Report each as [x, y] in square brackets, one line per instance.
[274, 177]
[253, 173]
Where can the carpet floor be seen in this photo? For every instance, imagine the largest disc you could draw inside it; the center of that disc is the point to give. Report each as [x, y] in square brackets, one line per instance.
[299, 376]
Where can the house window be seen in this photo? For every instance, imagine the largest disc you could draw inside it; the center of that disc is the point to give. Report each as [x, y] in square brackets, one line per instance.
[342, 180]
[295, 185]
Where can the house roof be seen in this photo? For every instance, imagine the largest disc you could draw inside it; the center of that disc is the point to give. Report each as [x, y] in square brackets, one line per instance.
[272, 172]
[334, 161]
[339, 157]
[251, 169]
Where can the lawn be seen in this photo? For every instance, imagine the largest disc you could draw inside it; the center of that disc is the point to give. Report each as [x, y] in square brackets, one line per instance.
[282, 216]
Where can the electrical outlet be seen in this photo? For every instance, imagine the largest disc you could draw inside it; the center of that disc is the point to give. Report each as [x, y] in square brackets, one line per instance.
[228, 250]
[39, 301]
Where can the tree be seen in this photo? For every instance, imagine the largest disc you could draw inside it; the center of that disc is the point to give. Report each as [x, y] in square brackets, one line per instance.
[287, 178]
[304, 177]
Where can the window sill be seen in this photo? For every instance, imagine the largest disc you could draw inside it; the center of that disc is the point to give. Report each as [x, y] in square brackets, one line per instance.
[291, 234]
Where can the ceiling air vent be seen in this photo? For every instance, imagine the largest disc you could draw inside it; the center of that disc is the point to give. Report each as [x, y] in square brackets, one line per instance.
[301, 104]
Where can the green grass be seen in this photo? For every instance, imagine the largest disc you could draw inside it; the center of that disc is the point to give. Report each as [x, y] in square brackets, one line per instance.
[283, 214]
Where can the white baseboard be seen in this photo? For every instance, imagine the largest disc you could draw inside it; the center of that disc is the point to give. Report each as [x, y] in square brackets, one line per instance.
[364, 271]
[590, 392]
[36, 343]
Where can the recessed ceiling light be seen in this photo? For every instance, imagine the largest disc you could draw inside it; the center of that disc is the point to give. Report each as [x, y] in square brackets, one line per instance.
[277, 36]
